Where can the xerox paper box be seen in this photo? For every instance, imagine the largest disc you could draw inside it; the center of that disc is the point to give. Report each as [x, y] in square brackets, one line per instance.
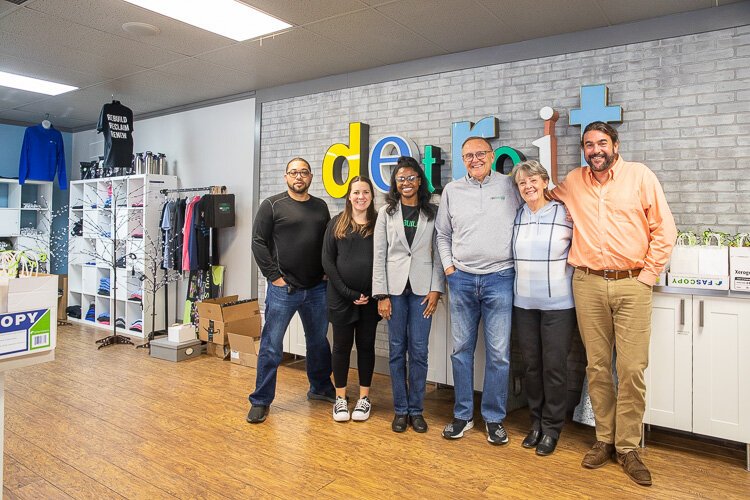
[219, 316]
[28, 312]
[739, 268]
[244, 349]
[698, 282]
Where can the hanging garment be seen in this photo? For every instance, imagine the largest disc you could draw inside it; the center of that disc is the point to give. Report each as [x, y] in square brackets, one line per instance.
[179, 224]
[167, 235]
[219, 210]
[187, 231]
[42, 156]
[116, 123]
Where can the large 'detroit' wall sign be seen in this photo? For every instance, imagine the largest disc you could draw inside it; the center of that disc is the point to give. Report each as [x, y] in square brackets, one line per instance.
[377, 161]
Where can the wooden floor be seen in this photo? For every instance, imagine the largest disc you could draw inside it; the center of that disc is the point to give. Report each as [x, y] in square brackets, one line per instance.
[116, 423]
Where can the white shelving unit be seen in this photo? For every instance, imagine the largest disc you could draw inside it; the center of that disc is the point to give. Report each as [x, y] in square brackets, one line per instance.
[125, 210]
[17, 215]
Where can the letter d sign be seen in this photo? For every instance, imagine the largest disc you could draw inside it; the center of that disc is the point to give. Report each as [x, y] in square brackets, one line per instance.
[356, 155]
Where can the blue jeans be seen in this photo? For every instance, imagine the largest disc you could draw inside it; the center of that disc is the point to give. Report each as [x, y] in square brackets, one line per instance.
[408, 332]
[280, 308]
[474, 297]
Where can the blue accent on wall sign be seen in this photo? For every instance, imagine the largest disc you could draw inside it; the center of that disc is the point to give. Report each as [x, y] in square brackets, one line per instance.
[594, 108]
[385, 153]
[486, 127]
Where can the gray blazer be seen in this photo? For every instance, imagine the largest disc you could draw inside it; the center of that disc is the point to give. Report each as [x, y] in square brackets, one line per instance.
[394, 261]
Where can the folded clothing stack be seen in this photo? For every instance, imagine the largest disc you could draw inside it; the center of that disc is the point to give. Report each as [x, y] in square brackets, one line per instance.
[135, 297]
[103, 318]
[103, 287]
[137, 326]
[120, 323]
[74, 311]
[90, 314]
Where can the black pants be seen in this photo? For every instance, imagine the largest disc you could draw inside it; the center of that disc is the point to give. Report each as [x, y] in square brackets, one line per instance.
[544, 338]
[343, 339]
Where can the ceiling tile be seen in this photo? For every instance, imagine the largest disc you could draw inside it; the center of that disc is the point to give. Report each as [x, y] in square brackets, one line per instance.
[17, 115]
[109, 16]
[451, 24]
[35, 50]
[539, 18]
[618, 12]
[58, 74]
[6, 7]
[59, 32]
[12, 98]
[226, 80]
[81, 105]
[372, 33]
[302, 12]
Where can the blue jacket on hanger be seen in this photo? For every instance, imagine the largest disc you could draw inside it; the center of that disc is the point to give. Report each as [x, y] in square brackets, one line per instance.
[42, 156]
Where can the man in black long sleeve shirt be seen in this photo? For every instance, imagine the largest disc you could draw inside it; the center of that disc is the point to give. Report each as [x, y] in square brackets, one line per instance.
[287, 245]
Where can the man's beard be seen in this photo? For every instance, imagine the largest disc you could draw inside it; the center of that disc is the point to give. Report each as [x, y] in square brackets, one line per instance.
[299, 189]
[608, 161]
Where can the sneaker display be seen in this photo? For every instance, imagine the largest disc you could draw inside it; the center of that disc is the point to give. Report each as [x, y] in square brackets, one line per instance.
[340, 410]
[496, 433]
[456, 429]
[361, 410]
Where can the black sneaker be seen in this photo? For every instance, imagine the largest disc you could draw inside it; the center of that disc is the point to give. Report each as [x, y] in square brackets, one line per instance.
[456, 429]
[329, 396]
[496, 433]
[257, 414]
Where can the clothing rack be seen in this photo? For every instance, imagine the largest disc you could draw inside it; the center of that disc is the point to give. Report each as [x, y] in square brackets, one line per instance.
[210, 189]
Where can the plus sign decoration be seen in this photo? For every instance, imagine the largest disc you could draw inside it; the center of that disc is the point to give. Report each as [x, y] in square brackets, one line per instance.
[594, 108]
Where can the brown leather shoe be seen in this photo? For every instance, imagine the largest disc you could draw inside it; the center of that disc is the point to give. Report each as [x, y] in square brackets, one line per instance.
[598, 455]
[634, 467]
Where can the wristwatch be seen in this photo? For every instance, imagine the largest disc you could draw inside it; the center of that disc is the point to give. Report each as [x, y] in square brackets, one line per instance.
[381, 296]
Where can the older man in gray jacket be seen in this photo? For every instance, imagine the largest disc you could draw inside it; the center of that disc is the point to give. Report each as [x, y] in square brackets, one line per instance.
[474, 229]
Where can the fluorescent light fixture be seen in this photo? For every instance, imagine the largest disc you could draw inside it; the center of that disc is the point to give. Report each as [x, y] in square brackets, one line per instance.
[228, 18]
[33, 84]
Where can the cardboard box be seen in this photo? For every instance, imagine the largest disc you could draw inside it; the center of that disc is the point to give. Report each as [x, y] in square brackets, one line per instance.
[216, 318]
[739, 268]
[181, 333]
[220, 351]
[697, 282]
[28, 315]
[62, 298]
[175, 351]
[244, 349]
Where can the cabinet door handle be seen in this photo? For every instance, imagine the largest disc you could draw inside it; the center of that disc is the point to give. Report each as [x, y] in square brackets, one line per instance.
[682, 312]
[700, 314]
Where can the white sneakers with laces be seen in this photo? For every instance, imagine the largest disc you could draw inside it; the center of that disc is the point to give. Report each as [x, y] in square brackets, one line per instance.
[340, 410]
[362, 409]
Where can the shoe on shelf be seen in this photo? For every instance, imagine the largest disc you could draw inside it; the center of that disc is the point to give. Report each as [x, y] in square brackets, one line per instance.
[328, 396]
[598, 455]
[532, 439]
[257, 414]
[496, 433]
[546, 446]
[400, 423]
[634, 467]
[418, 423]
[456, 429]
[362, 409]
[341, 410]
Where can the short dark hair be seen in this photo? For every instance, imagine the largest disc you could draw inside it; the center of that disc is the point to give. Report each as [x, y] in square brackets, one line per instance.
[604, 128]
[298, 158]
[475, 138]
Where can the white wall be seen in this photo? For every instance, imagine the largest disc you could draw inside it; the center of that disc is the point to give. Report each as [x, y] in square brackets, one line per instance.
[206, 146]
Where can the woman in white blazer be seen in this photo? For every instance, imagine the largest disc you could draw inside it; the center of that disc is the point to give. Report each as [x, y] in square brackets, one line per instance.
[407, 281]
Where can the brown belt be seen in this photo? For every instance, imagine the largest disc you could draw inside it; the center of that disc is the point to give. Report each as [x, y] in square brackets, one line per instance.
[610, 274]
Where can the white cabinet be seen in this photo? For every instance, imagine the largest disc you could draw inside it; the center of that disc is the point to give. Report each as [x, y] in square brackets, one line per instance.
[698, 377]
[669, 375]
[26, 214]
[721, 368]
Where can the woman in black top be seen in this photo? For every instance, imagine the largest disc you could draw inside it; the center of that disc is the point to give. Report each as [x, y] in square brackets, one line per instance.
[347, 260]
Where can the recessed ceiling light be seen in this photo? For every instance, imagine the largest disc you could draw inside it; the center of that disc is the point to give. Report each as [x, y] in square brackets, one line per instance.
[228, 18]
[33, 84]
[141, 29]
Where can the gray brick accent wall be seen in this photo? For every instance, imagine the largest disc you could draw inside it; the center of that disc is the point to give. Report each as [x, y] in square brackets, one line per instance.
[686, 114]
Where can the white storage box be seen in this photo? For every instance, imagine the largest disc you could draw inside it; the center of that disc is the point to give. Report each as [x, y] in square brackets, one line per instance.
[697, 282]
[181, 333]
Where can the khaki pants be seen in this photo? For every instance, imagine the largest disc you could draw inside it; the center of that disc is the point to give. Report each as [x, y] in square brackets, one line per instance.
[615, 313]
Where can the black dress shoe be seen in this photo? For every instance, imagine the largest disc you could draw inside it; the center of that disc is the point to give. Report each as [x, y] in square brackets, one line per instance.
[532, 439]
[546, 446]
[400, 423]
[418, 423]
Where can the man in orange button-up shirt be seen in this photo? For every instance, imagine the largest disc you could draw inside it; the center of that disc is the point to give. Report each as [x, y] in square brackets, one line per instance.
[623, 234]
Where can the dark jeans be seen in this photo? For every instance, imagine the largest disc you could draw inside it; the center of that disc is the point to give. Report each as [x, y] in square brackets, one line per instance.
[544, 338]
[408, 332]
[280, 308]
[363, 330]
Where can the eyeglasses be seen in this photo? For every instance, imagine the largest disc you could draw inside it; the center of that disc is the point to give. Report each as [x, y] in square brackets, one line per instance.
[479, 155]
[300, 173]
[410, 178]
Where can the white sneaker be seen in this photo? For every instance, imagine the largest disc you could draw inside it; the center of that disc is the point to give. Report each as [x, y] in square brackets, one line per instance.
[361, 410]
[340, 410]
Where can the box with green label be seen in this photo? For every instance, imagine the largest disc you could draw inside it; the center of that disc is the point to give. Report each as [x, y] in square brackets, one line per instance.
[28, 312]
